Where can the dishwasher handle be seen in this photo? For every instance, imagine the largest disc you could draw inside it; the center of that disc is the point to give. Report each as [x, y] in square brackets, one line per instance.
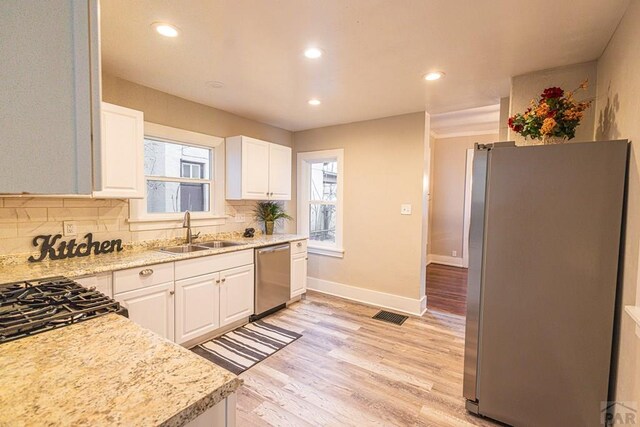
[273, 249]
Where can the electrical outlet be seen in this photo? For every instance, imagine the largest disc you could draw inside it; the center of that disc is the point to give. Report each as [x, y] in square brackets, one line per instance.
[454, 253]
[70, 228]
[240, 217]
[405, 209]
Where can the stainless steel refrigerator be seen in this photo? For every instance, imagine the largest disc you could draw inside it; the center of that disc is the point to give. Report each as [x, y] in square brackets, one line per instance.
[543, 264]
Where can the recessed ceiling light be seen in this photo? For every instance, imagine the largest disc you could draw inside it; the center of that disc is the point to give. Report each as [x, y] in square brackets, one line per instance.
[435, 75]
[313, 53]
[314, 102]
[166, 30]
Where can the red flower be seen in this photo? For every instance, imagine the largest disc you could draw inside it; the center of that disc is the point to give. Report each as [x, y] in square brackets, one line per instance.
[552, 113]
[552, 92]
[510, 122]
[518, 128]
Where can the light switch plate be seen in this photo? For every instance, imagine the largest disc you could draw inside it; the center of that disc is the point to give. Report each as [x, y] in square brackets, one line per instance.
[69, 228]
[405, 209]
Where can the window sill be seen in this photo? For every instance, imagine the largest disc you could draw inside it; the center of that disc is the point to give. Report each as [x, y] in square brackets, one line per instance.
[331, 252]
[144, 224]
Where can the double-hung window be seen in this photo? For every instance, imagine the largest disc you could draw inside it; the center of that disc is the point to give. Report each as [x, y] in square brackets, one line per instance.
[320, 197]
[183, 172]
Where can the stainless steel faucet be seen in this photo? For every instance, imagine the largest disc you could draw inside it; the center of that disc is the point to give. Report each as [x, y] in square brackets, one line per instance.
[186, 223]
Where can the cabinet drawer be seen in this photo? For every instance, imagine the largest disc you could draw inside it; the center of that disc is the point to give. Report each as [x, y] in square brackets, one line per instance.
[298, 247]
[210, 264]
[142, 277]
[101, 282]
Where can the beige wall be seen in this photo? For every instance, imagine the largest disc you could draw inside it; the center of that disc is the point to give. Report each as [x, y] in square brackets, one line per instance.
[21, 219]
[383, 168]
[503, 134]
[447, 197]
[530, 86]
[617, 109]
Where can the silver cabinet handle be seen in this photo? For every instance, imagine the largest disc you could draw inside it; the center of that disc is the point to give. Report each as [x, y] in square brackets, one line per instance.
[217, 281]
[146, 272]
[299, 244]
[172, 292]
[224, 279]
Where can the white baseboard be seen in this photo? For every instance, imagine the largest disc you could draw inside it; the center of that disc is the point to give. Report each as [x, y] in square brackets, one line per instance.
[445, 260]
[416, 307]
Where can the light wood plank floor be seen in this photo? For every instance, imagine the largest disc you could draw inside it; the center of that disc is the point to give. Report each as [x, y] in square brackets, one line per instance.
[447, 288]
[351, 370]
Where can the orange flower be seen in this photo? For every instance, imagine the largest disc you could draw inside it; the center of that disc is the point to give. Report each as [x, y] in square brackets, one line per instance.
[542, 110]
[547, 126]
[573, 114]
[584, 84]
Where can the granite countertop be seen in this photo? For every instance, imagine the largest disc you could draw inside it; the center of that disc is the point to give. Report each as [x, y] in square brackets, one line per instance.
[14, 269]
[106, 371]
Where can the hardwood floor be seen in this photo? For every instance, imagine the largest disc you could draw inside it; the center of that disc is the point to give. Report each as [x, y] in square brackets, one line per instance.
[350, 370]
[447, 289]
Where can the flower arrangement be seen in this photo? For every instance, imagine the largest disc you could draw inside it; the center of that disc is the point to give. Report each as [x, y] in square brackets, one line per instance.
[553, 118]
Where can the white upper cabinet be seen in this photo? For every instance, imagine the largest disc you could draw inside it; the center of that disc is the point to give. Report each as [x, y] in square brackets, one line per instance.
[257, 170]
[121, 171]
[50, 92]
[279, 172]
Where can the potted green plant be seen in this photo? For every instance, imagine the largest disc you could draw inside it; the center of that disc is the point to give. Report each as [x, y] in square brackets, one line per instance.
[269, 213]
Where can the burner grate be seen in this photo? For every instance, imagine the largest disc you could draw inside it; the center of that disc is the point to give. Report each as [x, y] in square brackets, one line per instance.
[31, 307]
[387, 316]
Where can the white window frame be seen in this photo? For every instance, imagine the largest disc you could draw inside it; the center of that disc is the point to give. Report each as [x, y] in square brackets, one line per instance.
[140, 219]
[304, 172]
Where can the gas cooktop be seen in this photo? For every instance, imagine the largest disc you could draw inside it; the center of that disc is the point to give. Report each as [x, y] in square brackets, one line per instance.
[28, 308]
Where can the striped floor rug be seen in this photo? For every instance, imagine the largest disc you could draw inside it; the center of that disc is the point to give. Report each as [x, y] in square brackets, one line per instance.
[240, 349]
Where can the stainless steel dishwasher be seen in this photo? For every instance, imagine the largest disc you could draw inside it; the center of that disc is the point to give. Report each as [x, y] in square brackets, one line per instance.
[273, 279]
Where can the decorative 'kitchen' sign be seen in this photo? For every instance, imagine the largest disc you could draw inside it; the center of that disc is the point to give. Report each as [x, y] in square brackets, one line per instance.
[70, 249]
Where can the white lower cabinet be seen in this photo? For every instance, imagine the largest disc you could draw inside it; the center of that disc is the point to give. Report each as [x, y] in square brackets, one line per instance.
[298, 274]
[152, 308]
[223, 414]
[298, 268]
[197, 306]
[236, 294]
[186, 300]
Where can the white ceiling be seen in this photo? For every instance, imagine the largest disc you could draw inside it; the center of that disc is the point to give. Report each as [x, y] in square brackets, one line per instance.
[376, 52]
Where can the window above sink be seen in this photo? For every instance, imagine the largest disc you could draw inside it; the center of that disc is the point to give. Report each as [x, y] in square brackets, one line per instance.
[183, 170]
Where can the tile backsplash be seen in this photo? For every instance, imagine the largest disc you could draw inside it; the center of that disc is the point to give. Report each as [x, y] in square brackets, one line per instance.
[21, 219]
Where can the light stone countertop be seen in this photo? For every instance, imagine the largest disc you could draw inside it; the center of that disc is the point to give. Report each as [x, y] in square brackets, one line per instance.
[14, 269]
[106, 371]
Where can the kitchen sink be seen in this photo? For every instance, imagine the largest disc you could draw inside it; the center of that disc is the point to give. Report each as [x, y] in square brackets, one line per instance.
[184, 249]
[220, 244]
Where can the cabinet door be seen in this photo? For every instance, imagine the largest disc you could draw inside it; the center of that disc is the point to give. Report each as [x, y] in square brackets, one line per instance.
[151, 308]
[47, 89]
[279, 172]
[122, 153]
[298, 274]
[236, 294]
[197, 306]
[255, 169]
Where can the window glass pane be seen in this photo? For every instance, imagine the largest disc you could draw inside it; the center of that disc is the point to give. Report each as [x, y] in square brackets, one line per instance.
[322, 222]
[170, 197]
[323, 179]
[168, 159]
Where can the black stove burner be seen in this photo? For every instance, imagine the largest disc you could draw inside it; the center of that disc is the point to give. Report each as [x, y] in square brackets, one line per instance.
[27, 308]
